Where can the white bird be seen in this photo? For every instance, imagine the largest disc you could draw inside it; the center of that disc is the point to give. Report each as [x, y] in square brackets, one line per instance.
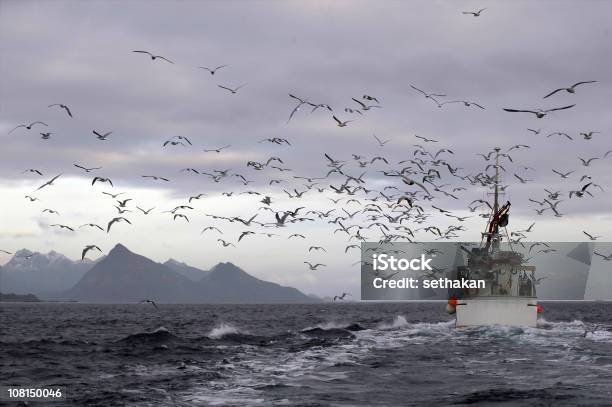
[538, 112]
[571, 89]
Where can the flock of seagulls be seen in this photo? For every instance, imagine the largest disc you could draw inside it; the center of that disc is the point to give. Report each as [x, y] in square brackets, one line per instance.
[371, 197]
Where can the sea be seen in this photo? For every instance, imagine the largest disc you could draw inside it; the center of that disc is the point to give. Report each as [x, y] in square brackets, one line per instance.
[328, 354]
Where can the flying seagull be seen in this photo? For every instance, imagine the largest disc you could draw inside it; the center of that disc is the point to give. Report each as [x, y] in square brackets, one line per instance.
[66, 108]
[213, 70]
[340, 297]
[88, 248]
[313, 267]
[538, 112]
[150, 302]
[87, 169]
[571, 89]
[114, 220]
[232, 91]
[341, 123]
[591, 237]
[217, 150]
[475, 13]
[154, 57]
[380, 142]
[102, 179]
[50, 182]
[102, 136]
[145, 212]
[28, 126]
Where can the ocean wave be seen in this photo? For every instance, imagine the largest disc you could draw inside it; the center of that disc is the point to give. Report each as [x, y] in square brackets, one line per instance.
[223, 330]
[160, 334]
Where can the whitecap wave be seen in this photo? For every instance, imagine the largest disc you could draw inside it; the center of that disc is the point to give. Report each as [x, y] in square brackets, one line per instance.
[221, 330]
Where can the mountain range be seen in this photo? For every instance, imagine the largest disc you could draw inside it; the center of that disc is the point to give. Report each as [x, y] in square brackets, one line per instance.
[124, 276]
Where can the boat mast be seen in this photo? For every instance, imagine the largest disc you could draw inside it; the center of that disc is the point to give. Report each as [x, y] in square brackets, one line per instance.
[495, 236]
[496, 202]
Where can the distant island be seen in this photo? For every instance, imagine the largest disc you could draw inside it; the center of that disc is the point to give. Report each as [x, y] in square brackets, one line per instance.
[10, 297]
[124, 276]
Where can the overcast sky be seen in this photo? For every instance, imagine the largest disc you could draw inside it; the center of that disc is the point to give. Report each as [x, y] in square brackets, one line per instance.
[79, 54]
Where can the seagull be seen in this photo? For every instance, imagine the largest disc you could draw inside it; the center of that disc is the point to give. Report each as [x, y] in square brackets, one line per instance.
[32, 198]
[301, 102]
[589, 135]
[586, 163]
[475, 13]
[246, 233]
[145, 212]
[102, 179]
[536, 132]
[538, 112]
[591, 237]
[46, 136]
[180, 215]
[563, 175]
[217, 150]
[341, 123]
[232, 91]
[370, 98]
[88, 248]
[363, 105]
[314, 267]
[214, 70]
[150, 302]
[523, 181]
[224, 243]
[571, 89]
[603, 256]
[558, 133]
[48, 183]
[28, 126]
[173, 143]
[154, 57]
[102, 136]
[427, 95]
[156, 178]
[114, 196]
[93, 225]
[465, 103]
[196, 197]
[211, 228]
[425, 139]
[581, 192]
[4, 251]
[32, 170]
[66, 108]
[380, 142]
[51, 211]
[87, 169]
[340, 297]
[114, 220]
[63, 227]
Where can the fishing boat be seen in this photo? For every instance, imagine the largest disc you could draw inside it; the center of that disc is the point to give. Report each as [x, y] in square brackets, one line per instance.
[509, 294]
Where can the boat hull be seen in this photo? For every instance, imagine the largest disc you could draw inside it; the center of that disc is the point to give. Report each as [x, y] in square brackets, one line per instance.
[513, 311]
